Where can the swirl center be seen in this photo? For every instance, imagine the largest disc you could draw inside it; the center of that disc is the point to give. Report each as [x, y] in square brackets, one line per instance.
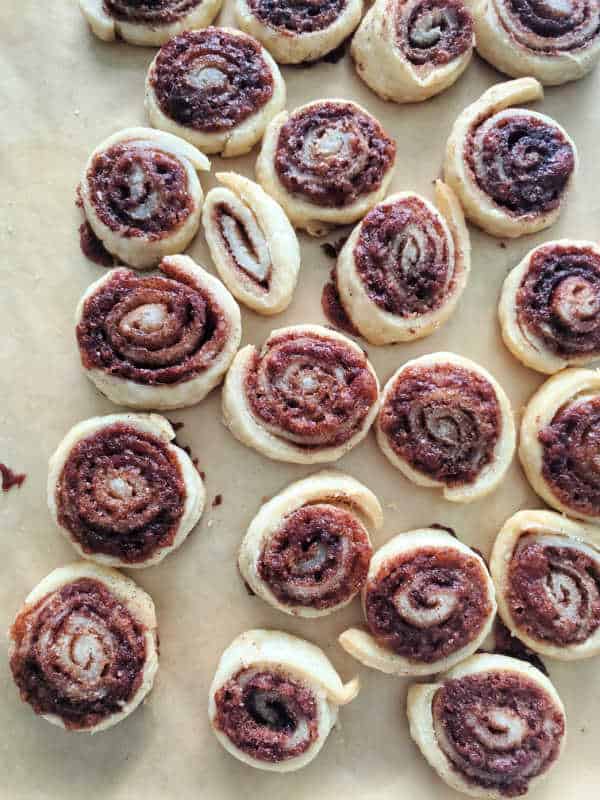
[498, 728]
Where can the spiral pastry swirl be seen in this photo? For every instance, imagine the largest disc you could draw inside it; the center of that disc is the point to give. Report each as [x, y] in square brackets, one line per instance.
[405, 266]
[83, 649]
[121, 492]
[410, 50]
[307, 551]
[492, 727]
[216, 88]
[550, 306]
[308, 396]
[428, 604]
[554, 41]
[274, 700]
[162, 341]
[328, 162]
[445, 422]
[510, 167]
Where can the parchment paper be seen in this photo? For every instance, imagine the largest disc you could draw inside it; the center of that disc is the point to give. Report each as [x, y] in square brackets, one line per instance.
[62, 92]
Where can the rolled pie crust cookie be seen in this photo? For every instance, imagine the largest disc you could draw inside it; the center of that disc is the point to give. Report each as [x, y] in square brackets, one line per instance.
[446, 423]
[147, 23]
[554, 42]
[546, 569]
[492, 727]
[428, 603]
[327, 163]
[217, 88]
[274, 700]
[252, 243]
[141, 194]
[560, 431]
[510, 167]
[308, 396]
[550, 306]
[307, 551]
[410, 50]
[157, 341]
[121, 492]
[299, 30]
[404, 268]
[83, 649]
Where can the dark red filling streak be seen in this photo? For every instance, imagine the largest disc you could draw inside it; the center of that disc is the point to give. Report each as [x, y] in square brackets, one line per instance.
[454, 23]
[464, 401]
[458, 700]
[428, 569]
[261, 736]
[150, 12]
[223, 210]
[548, 24]
[40, 677]
[332, 306]
[130, 529]
[297, 16]
[247, 85]
[10, 478]
[92, 247]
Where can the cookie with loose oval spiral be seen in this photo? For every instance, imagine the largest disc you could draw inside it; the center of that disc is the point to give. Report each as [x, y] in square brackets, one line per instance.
[121, 492]
[141, 195]
[546, 569]
[157, 341]
[491, 727]
[428, 603]
[299, 30]
[83, 649]
[553, 41]
[510, 167]
[410, 50]
[446, 423]
[252, 243]
[147, 22]
[216, 88]
[308, 396]
[404, 268]
[274, 699]
[307, 551]
[560, 439]
[327, 163]
[550, 306]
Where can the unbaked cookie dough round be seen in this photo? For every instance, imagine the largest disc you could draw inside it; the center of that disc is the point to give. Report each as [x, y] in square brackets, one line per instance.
[121, 492]
[327, 163]
[274, 699]
[404, 268]
[83, 649]
[217, 88]
[158, 341]
[410, 50]
[141, 195]
[510, 167]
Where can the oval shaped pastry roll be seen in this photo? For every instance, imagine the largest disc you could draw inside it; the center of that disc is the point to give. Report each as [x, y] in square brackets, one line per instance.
[308, 396]
[550, 306]
[216, 88]
[307, 551]
[554, 42]
[141, 194]
[327, 163]
[446, 423]
[274, 700]
[121, 493]
[491, 727]
[149, 22]
[560, 439]
[158, 341]
[546, 569]
[252, 243]
[510, 167]
[428, 603]
[410, 50]
[404, 268]
[83, 648]
[299, 30]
